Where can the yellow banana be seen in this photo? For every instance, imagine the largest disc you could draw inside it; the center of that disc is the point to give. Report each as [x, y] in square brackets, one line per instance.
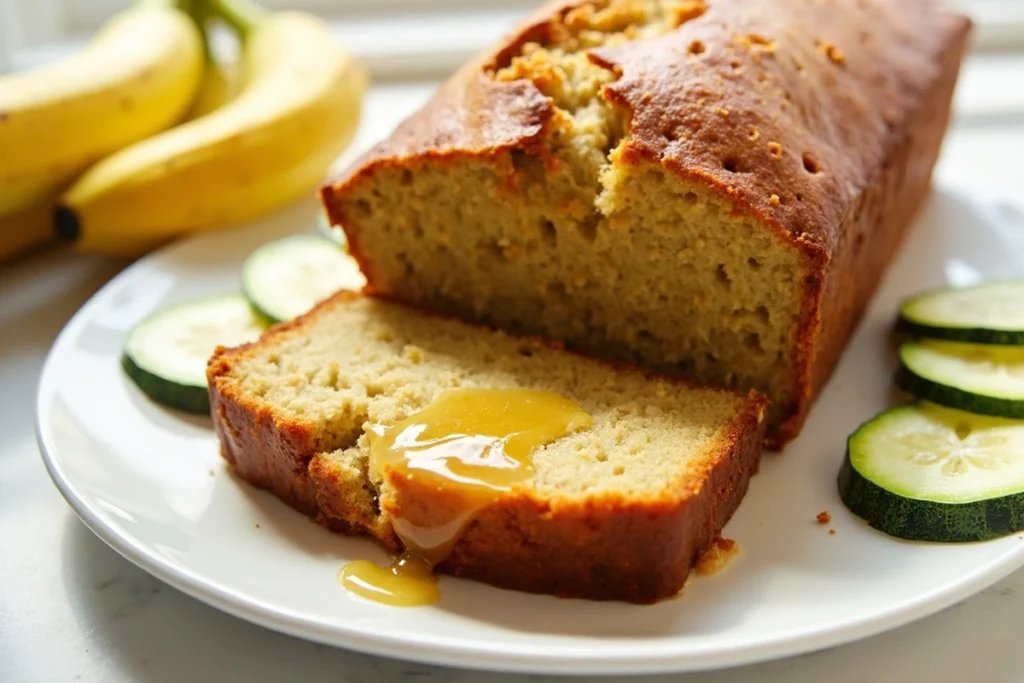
[135, 78]
[298, 110]
[26, 229]
[221, 84]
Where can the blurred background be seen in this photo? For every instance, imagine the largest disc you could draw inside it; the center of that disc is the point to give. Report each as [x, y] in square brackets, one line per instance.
[398, 39]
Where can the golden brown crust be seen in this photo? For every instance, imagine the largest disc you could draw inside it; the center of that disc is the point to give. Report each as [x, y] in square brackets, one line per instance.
[338, 513]
[264, 450]
[822, 120]
[809, 151]
[470, 115]
[613, 548]
[875, 224]
[824, 129]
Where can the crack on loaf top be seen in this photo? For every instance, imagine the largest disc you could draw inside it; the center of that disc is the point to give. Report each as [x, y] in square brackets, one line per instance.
[555, 54]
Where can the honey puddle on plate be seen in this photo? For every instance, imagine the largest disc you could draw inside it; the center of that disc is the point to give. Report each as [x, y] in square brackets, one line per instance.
[477, 444]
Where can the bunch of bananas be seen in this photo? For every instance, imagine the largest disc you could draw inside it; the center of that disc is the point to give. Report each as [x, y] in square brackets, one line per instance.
[142, 136]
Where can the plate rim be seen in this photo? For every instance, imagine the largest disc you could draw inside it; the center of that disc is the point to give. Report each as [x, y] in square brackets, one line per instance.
[454, 652]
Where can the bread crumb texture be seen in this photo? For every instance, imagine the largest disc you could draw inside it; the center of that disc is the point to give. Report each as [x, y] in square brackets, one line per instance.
[716, 557]
[824, 517]
[370, 362]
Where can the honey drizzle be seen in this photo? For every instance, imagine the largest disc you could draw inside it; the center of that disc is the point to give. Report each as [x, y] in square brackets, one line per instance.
[476, 442]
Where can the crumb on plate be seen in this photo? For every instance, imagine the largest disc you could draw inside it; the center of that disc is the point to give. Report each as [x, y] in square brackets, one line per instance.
[717, 556]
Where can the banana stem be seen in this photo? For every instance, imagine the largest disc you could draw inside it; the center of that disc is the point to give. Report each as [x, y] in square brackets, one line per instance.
[178, 4]
[241, 15]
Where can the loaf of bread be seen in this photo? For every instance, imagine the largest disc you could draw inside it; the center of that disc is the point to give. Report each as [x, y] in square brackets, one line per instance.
[619, 511]
[706, 187]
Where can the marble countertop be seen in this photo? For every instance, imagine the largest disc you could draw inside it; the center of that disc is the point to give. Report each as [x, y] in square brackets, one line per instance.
[71, 609]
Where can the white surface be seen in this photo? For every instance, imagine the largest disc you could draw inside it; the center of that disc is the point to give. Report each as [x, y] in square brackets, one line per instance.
[72, 609]
[151, 484]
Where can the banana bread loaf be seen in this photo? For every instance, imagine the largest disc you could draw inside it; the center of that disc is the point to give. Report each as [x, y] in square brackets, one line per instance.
[621, 510]
[706, 187]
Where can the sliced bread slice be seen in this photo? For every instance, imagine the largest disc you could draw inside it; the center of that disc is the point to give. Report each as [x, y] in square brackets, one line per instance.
[621, 510]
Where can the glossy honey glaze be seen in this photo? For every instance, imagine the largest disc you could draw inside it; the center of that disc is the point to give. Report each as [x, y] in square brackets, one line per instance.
[477, 444]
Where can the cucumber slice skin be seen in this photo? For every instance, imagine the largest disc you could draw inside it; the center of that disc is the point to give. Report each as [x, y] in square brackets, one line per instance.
[191, 399]
[971, 335]
[925, 520]
[914, 326]
[874, 484]
[952, 397]
[270, 319]
[189, 392]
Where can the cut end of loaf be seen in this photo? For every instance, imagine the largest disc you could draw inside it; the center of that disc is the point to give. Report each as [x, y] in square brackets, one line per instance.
[672, 182]
[585, 240]
[702, 292]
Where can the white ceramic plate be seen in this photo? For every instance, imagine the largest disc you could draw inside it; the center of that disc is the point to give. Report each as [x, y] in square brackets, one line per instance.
[150, 483]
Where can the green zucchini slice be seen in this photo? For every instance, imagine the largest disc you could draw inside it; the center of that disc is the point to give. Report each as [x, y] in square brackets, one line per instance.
[287, 277]
[983, 379]
[928, 473]
[166, 354]
[990, 313]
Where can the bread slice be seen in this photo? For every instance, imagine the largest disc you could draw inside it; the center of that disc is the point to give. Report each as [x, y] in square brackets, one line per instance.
[710, 188]
[619, 511]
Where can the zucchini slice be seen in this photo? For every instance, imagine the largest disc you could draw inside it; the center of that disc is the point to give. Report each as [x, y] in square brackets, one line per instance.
[990, 313]
[983, 379]
[287, 277]
[927, 473]
[166, 354]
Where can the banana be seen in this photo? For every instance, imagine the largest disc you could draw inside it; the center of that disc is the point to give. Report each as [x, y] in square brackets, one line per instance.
[221, 84]
[25, 230]
[136, 77]
[274, 143]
